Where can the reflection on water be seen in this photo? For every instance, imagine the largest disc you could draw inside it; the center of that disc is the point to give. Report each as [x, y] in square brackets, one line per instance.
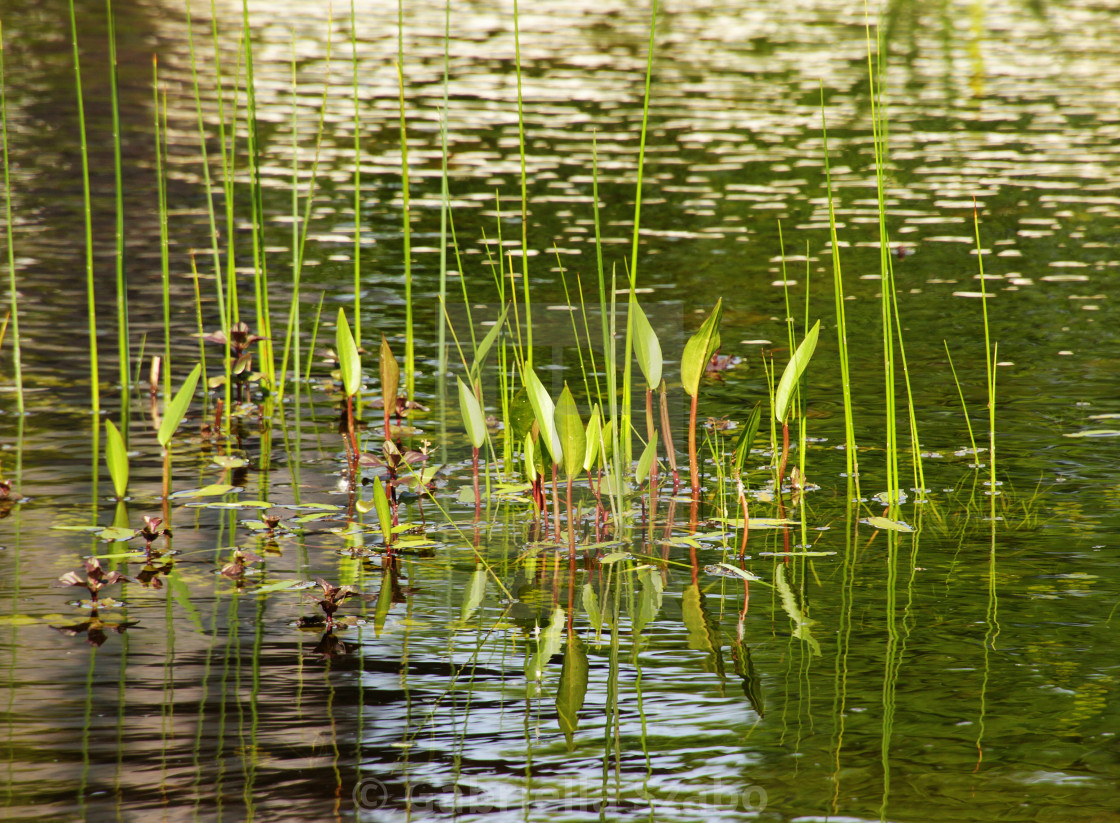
[957, 672]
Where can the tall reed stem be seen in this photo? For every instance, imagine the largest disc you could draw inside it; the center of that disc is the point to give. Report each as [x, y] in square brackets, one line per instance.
[17, 356]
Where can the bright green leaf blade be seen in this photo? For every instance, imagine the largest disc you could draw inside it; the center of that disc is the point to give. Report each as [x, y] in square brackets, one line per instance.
[699, 350]
[114, 534]
[792, 375]
[384, 514]
[592, 435]
[116, 457]
[746, 438]
[547, 645]
[645, 462]
[473, 418]
[473, 596]
[886, 524]
[647, 348]
[572, 434]
[528, 451]
[349, 362]
[486, 344]
[177, 409]
[545, 412]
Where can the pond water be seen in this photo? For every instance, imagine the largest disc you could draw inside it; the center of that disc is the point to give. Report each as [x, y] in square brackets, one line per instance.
[963, 669]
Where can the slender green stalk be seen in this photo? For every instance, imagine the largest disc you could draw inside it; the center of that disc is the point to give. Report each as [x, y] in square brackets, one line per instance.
[851, 456]
[445, 195]
[164, 251]
[964, 405]
[628, 346]
[17, 356]
[528, 355]
[406, 218]
[91, 302]
[118, 183]
[990, 364]
[357, 184]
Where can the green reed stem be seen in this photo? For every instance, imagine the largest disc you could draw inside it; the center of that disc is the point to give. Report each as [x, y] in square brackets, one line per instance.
[91, 302]
[445, 194]
[851, 456]
[122, 285]
[164, 249]
[406, 219]
[528, 354]
[13, 300]
[357, 184]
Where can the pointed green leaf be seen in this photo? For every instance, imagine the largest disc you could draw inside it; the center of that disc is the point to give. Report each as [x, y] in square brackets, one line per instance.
[473, 418]
[545, 412]
[176, 410]
[645, 462]
[116, 457]
[746, 438]
[390, 377]
[699, 350]
[886, 524]
[647, 348]
[573, 687]
[384, 514]
[349, 362]
[607, 442]
[591, 439]
[792, 375]
[570, 429]
[801, 623]
[590, 602]
[486, 344]
[529, 453]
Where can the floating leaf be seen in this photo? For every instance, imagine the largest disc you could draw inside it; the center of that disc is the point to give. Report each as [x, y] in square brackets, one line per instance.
[792, 374]
[115, 534]
[1094, 433]
[614, 557]
[544, 410]
[473, 418]
[226, 462]
[116, 457]
[887, 524]
[176, 410]
[283, 586]
[572, 690]
[235, 504]
[728, 569]
[570, 430]
[699, 350]
[349, 361]
[647, 348]
[214, 490]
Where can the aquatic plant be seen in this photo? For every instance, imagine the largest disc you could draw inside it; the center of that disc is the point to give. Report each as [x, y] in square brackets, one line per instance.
[698, 352]
[94, 581]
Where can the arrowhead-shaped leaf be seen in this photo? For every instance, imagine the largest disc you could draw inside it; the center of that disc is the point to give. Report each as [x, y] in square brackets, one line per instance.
[390, 378]
[792, 375]
[116, 458]
[349, 362]
[571, 432]
[647, 348]
[473, 417]
[699, 350]
[177, 408]
[545, 412]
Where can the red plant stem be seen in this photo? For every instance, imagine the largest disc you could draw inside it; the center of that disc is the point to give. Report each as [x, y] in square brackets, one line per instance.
[785, 458]
[571, 524]
[667, 438]
[746, 523]
[477, 493]
[651, 434]
[694, 468]
[555, 504]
